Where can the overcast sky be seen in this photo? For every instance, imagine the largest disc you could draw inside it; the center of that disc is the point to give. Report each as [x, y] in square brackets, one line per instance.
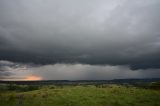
[79, 39]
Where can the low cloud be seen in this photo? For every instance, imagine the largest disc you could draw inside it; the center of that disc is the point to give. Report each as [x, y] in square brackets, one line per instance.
[74, 72]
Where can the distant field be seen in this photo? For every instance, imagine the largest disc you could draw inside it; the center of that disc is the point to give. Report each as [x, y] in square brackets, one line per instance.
[80, 95]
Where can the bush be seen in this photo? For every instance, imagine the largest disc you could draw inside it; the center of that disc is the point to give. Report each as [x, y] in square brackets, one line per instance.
[3, 88]
[155, 85]
[13, 87]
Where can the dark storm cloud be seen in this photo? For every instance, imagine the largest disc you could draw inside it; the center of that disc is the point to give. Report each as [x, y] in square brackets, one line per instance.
[113, 32]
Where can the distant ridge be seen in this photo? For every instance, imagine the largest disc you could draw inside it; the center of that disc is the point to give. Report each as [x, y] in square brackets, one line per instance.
[48, 82]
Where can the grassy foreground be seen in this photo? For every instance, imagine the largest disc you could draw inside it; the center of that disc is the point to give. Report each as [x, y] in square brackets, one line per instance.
[89, 95]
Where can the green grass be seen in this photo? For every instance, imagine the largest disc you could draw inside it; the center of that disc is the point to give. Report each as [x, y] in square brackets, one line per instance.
[90, 95]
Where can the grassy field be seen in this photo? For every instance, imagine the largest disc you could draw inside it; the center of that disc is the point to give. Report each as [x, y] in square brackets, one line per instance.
[88, 95]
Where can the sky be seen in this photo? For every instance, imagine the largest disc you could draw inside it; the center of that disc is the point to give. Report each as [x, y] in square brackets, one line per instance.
[79, 39]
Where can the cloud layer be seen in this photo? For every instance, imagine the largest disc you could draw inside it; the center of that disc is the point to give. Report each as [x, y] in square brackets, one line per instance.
[18, 71]
[106, 32]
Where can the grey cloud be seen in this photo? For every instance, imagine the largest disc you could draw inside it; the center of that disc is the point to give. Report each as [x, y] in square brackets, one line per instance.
[113, 32]
[8, 69]
[73, 72]
[90, 72]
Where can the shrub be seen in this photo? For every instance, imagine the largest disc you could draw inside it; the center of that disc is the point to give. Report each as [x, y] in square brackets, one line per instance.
[13, 87]
[155, 85]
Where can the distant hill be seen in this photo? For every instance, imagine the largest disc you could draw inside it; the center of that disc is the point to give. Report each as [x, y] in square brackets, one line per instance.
[114, 81]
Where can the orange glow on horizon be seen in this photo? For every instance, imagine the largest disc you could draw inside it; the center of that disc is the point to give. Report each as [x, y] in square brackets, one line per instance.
[32, 78]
